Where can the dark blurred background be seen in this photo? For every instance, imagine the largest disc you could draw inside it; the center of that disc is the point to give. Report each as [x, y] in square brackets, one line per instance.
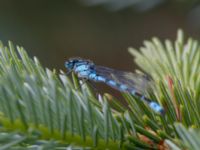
[99, 30]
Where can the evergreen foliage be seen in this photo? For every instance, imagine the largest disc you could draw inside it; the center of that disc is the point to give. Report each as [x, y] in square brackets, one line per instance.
[44, 109]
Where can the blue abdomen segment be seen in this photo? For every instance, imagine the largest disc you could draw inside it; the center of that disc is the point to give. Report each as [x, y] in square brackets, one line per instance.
[111, 83]
[123, 87]
[101, 79]
[156, 107]
[93, 76]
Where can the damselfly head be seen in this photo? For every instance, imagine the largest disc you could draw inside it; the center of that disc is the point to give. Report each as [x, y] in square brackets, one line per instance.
[70, 64]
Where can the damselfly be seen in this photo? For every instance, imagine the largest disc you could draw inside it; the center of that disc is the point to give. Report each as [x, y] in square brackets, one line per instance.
[123, 81]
